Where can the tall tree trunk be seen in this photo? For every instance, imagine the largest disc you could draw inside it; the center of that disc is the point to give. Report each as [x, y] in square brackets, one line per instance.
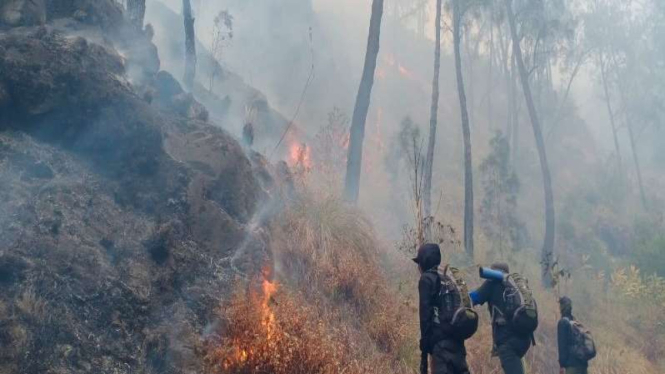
[631, 136]
[471, 102]
[638, 170]
[354, 160]
[490, 115]
[136, 12]
[434, 111]
[190, 45]
[515, 118]
[548, 244]
[636, 159]
[610, 112]
[466, 131]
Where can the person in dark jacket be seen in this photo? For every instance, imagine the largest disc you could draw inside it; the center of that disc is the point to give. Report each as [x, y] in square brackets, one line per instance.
[568, 363]
[448, 355]
[508, 346]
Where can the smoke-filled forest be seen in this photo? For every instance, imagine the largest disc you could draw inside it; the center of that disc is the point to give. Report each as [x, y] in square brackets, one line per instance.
[240, 186]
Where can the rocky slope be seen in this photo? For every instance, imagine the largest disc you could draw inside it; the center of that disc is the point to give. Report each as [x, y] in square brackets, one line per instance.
[124, 214]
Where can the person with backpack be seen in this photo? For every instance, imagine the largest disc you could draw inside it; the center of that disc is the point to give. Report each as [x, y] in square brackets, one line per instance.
[446, 315]
[576, 345]
[514, 315]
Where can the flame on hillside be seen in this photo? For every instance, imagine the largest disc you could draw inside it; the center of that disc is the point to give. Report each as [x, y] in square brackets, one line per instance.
[267, 315]
[300, 155]
[261, 298]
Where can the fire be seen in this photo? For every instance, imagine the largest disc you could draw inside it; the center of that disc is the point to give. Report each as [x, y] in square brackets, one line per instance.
[267, 315]
[241, 353]
[300, 155]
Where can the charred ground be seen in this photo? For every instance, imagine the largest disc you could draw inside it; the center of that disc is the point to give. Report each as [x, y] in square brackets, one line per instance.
[122, 207]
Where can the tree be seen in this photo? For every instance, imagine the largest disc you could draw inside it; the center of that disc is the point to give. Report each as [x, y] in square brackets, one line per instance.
[548, 243]
[330, 144]
[466, 131]
[222, 33]
[608, 101]
[434, 111]
[498, 209]
[136, 12]
[190, 45]
[357, 135]
[627, 65]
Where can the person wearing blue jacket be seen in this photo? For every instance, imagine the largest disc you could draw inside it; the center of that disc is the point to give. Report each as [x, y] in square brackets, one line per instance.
[508, 346]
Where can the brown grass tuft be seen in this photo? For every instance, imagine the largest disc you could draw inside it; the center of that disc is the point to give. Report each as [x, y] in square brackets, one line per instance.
[32, 305]
[334, 310]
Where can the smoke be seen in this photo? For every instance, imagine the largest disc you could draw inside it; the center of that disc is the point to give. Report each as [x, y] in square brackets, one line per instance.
[275, 44]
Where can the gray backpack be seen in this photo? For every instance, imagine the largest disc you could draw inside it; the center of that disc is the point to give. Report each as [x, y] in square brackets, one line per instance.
[583, 347]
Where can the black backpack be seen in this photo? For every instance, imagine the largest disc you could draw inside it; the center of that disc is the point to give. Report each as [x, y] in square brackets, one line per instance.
[521, 310]
[453, 305]
[583, 347]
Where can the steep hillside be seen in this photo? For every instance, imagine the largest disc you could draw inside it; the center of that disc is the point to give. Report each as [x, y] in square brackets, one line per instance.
[124, 213]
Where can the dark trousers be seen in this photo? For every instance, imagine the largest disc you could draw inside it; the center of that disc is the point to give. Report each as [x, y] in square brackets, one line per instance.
[510, 354]
[448, 358]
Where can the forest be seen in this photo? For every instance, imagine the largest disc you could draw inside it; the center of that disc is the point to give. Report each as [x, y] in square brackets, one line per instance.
[239, 186]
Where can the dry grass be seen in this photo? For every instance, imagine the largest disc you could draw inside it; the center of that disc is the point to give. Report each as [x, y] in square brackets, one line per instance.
[32, 305]
[336, 311]
[333, 311]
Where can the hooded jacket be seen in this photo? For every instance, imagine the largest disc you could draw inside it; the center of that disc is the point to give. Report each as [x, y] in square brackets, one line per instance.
[565, 337]
[429, 259]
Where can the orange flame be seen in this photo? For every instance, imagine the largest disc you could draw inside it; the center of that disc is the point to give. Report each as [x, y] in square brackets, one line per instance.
[240, 353]
[300, 154]
[267, 315]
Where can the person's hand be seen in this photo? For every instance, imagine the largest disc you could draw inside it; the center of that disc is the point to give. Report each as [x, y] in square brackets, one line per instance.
[562, 371]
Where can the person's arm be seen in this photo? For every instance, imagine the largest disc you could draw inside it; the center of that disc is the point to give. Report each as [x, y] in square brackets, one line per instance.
[482, 294]
[563, 331]
[425, 292]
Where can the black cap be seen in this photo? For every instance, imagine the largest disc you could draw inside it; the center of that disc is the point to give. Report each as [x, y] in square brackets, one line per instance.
[429, 256]
[565, 302]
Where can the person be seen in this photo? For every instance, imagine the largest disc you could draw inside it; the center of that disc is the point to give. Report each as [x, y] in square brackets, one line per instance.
[568, 363]
[447, 354]
[248, 134]
[508, 346]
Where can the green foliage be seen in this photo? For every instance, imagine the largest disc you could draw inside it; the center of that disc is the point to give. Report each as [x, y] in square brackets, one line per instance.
[650, 256]
[402, 148]
[498, 211]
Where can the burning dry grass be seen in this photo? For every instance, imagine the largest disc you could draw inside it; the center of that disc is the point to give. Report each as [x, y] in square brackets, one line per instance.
[261, 335]
[333, 311]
